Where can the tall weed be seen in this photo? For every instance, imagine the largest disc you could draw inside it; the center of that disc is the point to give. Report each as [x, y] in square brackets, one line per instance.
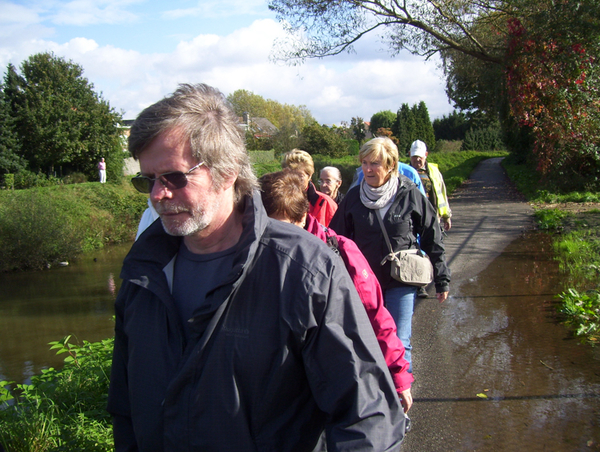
[61, 410]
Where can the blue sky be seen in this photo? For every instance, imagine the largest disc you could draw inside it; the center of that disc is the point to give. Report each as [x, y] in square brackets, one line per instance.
[137, 51]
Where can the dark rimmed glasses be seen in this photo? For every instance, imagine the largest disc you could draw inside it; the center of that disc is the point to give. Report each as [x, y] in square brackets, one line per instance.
[173, 180]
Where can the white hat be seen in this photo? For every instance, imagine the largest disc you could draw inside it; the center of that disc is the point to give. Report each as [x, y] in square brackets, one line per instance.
[419, 149]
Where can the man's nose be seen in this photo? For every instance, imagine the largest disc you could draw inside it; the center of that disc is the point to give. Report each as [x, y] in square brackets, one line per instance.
[160, 191]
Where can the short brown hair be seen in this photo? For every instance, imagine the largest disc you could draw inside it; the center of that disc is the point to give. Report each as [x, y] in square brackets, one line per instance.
[283, 195]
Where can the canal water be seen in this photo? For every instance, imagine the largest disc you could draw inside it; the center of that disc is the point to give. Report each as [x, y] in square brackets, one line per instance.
[38, 307]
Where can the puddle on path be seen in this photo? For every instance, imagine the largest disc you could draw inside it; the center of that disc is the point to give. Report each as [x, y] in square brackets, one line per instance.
[498, 335]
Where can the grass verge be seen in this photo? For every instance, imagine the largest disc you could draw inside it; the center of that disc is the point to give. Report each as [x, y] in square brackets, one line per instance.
[574, 220]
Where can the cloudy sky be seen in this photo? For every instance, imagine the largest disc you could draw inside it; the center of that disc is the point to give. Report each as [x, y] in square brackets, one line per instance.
[137, 51]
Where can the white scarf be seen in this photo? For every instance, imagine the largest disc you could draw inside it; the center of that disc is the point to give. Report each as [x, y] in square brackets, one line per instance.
[376, 198]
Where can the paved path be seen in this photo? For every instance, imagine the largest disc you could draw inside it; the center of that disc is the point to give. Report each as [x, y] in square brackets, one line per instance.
[495, 336]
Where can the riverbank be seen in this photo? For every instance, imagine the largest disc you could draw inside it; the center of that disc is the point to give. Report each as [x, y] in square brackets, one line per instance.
[46, 226]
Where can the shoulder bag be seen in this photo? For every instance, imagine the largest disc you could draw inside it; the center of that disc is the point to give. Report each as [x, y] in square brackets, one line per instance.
[411, 267]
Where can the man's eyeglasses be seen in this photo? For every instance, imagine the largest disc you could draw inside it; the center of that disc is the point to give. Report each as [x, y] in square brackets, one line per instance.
[173, 180]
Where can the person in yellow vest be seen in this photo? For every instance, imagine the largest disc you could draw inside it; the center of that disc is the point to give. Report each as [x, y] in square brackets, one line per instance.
[435, 188]
[433, 182]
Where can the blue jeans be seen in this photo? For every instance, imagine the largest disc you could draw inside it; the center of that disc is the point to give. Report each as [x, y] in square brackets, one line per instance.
[400, 301]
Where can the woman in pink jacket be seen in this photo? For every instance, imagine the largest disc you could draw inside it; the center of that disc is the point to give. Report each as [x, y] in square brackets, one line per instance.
[284, 199]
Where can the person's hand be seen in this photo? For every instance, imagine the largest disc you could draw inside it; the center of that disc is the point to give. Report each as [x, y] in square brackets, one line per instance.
[441, 296]
[407, 400]
[447, 224]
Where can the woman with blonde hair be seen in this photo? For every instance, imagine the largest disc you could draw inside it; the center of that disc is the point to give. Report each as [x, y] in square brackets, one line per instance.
[406, 214]
[322, 207]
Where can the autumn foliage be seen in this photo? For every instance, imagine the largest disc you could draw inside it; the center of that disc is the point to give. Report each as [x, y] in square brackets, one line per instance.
[553, 81]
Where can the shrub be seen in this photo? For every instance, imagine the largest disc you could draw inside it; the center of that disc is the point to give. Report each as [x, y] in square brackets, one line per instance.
[61, 410]
[485, 139]
[27, 179]
[41, 226]
[75, 178]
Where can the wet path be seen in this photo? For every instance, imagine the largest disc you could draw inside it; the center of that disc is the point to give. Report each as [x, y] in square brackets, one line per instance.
[498, 336]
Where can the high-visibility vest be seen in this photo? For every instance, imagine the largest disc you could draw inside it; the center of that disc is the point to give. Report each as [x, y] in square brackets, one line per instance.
[439, 191]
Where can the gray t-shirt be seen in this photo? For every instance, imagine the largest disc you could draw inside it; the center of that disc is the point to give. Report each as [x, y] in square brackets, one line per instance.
[195, 275]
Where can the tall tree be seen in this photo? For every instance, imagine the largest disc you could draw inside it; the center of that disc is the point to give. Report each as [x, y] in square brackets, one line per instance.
[60, 120]
[405, 129]
[319, 28]
[359, 128]
[382, 120]
[423, 127]
[553, 82]
[320, 139]
[280, 115]
[452, 127]
[10, 160]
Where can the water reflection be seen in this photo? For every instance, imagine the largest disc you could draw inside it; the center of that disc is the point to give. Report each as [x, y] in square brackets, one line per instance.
[44, 306]
[500, 372]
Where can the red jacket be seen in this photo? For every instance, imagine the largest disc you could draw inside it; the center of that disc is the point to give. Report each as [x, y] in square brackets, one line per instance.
[322, 207]
[369, 290]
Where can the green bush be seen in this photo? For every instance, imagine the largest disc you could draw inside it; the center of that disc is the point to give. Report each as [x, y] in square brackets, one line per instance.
[27, 179]
[353, 147]
[9, 181]
[41, 226]
[485, 139]
[61, 410]
[75, 178]
[583, 313]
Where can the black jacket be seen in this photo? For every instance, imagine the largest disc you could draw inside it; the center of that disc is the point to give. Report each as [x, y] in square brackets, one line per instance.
[410, 214]
[292, 354]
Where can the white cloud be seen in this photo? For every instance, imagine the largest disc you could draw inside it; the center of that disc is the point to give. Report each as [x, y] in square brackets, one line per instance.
[218, 9]
[17, 14]
[86, 12]
[334, 89]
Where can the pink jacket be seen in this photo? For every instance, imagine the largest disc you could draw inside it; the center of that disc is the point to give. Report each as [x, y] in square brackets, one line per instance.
[369, 290]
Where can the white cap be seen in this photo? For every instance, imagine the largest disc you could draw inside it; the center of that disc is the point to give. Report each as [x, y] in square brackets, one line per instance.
[419, 149]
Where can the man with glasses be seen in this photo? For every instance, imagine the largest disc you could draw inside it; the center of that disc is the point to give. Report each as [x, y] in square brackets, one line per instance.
[234, 331]
[330, 181]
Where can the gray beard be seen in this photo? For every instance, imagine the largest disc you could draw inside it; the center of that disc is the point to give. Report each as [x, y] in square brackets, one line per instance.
[200, 219]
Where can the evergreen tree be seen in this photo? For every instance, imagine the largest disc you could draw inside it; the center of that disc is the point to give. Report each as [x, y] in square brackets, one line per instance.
[61, 122]
[405, 129]
[452, 127]
[423, 126]
[10, 161]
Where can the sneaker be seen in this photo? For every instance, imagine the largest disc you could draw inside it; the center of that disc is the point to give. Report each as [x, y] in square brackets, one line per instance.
[422, 293]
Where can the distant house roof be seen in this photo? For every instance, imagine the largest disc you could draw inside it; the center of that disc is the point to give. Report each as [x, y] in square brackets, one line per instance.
[262, 126]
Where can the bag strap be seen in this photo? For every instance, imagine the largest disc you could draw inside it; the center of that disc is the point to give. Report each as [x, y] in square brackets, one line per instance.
[392, 256]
